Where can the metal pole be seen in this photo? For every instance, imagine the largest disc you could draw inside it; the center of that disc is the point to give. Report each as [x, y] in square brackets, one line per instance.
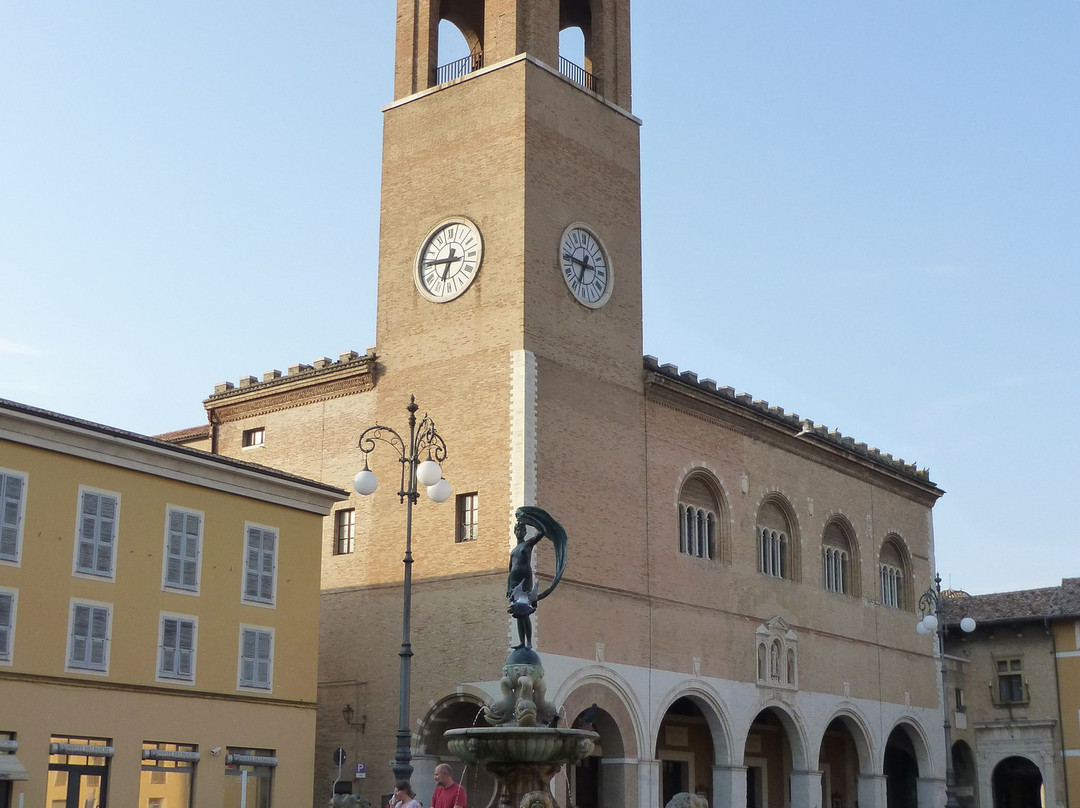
[402, 765]
[951, 800]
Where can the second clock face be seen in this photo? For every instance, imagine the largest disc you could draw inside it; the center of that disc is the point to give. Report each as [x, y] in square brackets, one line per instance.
[585, 266]
[448, 260]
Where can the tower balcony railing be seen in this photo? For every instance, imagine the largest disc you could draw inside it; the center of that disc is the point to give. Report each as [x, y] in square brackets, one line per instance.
[579, 75]
[459, 67]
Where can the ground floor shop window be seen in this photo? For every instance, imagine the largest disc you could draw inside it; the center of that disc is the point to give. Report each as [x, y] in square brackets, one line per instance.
[78, 772]
[168, 770]
[248, 777]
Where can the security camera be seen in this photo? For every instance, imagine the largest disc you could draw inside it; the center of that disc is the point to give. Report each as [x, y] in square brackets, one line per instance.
[215, 751]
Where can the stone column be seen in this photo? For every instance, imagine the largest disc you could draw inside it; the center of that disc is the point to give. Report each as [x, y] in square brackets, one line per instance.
[728, 786]
[805, 790]
[618, 783]
[931, 791]
[648, 772]
[872, 791]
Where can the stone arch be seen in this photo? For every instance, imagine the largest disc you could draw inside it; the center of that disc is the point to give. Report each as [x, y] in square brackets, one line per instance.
[712, 709]
[1017, 781]
[700, 488]
[839, 532]
[596, 685]
[776, 515]
[454, 711]
[467, 16]
[861, 736]
[793, 727]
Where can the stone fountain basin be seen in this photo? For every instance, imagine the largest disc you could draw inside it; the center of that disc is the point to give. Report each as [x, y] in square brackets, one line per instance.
[520, 744]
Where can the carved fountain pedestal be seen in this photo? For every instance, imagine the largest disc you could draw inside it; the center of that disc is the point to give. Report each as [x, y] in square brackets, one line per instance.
[523, 749]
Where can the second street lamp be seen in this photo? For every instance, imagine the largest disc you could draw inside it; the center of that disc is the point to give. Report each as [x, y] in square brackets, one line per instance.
[932, 622]
[420, 457]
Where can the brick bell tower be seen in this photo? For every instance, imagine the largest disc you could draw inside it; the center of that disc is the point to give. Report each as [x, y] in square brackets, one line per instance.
[509, 289]
[509, 304]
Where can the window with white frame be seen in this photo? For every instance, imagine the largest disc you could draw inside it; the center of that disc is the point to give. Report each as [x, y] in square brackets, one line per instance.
[260, 563]
[256, 658]
[176, 648]
[95, 547]
[253, 437]
[8, 599]
[88, 637]
[835, 571]
[836, 557]
[698, 511]
[468, 517]
[183, 548]
[12, 511]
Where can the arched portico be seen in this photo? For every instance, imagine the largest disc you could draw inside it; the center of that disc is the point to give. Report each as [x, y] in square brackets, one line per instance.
[846, 762]
[458, 710]
[911, 779]
[607, 778]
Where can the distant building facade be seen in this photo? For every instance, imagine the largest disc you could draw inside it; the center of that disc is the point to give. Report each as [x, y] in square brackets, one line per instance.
[1015, 697]
[158, 621]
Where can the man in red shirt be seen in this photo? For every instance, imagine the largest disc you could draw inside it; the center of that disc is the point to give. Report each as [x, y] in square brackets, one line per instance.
[448, 794]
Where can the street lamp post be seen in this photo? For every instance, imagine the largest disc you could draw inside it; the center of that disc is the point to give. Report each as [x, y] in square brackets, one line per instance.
[423, 440]
[930, 606]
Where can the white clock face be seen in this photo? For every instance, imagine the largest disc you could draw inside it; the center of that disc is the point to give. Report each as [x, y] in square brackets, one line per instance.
[585, 266]
[448, 260]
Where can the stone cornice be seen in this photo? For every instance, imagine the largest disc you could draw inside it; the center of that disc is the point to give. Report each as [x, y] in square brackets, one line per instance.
[304, 384]
[682, 391]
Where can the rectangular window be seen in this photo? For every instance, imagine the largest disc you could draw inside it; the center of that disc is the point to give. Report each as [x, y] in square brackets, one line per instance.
[7, 624]
[95, 548]
[88, 638]
[256, 658]
[772, 548]
[168, 770]
[78, 771]
[12, 511]
[176, 648]
[248, 772]
[468, 517]
[260, 563]
[1010, 681]
[183, 547]
[253, 437]
[344, 531]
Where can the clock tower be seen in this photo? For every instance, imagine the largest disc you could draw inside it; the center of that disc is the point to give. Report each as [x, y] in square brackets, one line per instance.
[509, 289]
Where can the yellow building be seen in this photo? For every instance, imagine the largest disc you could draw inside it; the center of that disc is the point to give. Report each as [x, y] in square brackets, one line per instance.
[158, 621]
[1015, 697]
[737, 616]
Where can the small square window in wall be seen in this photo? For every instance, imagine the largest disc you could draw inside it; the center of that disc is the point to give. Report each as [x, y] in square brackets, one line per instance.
[253, 437]
[468, 517]
[344, 531]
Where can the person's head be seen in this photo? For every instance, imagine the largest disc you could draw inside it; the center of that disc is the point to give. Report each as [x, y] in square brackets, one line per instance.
[443, 775]
[403, 791]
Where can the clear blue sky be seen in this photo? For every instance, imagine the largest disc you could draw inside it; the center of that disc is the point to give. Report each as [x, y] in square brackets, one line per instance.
[866, 213]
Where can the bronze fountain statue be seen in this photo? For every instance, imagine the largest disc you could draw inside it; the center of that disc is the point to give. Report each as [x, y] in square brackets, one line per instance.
[524, 747]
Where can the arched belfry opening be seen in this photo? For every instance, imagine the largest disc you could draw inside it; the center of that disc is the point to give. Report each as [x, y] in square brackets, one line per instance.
[575, 35]
[594, 52]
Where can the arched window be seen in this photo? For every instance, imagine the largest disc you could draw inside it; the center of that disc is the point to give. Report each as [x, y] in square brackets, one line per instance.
[837, 556]
[892, 566]
[774, 541]
[699, 510]
[459, 49]
[575, 31]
